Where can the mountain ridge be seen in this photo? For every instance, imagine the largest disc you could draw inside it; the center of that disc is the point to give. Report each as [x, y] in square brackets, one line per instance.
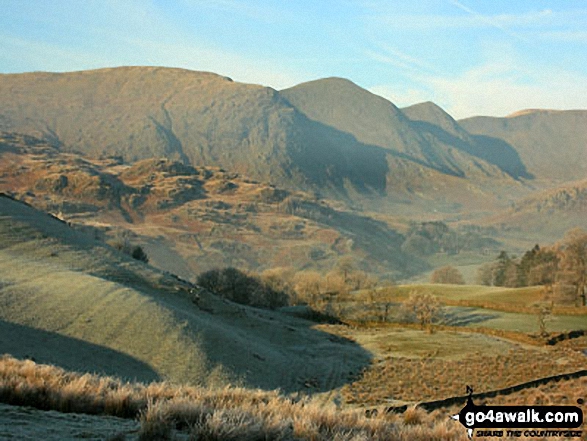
[551, 144]
[205, 119]
[327, 136]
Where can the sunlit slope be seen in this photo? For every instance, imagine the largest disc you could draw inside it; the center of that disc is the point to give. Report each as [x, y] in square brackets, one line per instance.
[80, 296]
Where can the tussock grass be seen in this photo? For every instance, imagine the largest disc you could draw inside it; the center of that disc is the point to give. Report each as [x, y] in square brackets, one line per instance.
[165, 410]
[424, 379]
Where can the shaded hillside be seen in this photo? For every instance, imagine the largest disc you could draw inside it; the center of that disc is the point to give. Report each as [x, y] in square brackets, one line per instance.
[551, 144]
[61, 286]
[373, 120]
[434, 123]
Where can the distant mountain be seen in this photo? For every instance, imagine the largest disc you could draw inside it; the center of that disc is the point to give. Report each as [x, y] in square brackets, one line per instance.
[551, 144]
[375, 121]
[195, 117]
[435, 124]
[328, 136]
[429, 114]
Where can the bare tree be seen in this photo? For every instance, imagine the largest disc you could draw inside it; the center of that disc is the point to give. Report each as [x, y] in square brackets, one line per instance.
[308, 286]
[425, 307]
[573, 265]
[544, 316]
[346, 266]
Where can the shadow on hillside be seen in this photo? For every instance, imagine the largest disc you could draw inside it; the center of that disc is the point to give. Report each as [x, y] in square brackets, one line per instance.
[492, 150]
[335, 160]
[70, 353]
[463, 316]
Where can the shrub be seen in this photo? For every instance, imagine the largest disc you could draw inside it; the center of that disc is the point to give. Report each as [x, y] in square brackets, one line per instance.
[447, 275]
[243, 288]
[139, 254]
[122, 243]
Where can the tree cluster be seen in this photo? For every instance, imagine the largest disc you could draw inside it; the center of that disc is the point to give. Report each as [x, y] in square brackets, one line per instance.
[447, 275]
[243, 288]
[277, 287]
[561, 268]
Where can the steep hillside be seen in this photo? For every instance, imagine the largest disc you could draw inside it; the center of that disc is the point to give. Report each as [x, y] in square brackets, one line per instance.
[551, 144]
[435, 124]
[328, 136]
[341, 104]
[70, 300]
[373, 120]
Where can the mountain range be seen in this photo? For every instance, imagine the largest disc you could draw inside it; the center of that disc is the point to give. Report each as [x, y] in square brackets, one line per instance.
[355, 167]
[329, 136]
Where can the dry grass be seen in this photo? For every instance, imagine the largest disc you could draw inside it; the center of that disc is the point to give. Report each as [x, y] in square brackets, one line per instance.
[168, 412]
[165, 410]
[424, 379]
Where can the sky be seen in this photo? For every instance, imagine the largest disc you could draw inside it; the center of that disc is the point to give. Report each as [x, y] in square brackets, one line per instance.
[471, 57]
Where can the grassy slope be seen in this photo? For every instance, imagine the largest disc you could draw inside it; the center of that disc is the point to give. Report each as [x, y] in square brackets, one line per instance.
[57, 280]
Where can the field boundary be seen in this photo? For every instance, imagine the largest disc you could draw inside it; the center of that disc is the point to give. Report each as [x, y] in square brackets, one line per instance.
[462, 399]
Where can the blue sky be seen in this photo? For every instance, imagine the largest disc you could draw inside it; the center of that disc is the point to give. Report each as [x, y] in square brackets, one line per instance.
[469, 56]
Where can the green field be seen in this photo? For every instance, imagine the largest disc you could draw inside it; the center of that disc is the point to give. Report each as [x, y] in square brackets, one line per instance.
[474, 293]
[474, 306]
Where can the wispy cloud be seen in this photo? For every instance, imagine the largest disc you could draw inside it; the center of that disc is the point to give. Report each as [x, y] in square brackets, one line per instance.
[201, 57]
[544, 18]
[249, 9]
[51, 57]
[495, 22]
[563, 36]
[497, 87]
[390, 55]
[476, 94]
